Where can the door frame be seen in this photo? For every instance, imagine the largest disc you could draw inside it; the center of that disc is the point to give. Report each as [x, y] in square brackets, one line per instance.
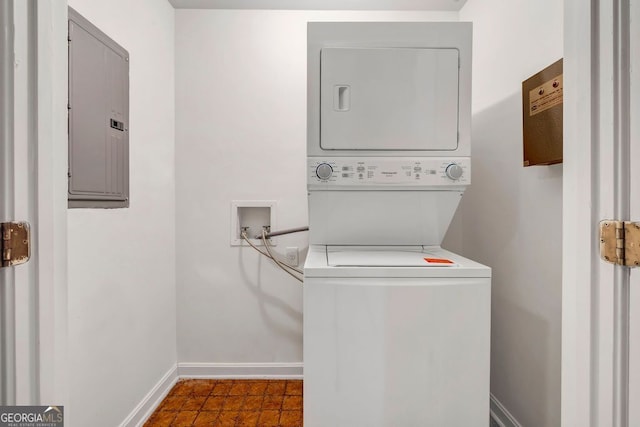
[585, 374]
[36, 147]
[594, 346]
[7, 276]
[586, 324]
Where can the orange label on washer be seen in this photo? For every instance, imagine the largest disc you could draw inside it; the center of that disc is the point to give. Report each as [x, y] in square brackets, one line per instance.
[438, 261]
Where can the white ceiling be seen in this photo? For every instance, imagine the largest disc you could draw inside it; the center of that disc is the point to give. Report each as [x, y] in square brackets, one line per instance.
[446, 5]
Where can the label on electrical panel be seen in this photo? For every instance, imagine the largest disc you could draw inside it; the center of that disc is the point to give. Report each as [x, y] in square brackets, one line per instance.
[545, 96]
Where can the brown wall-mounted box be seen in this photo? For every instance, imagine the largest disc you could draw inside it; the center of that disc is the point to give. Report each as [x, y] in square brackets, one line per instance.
[542, 116]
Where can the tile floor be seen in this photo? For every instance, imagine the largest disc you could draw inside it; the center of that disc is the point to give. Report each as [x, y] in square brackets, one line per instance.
[231, 403]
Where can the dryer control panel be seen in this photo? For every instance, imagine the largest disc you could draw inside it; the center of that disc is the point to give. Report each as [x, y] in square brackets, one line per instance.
[388, 171]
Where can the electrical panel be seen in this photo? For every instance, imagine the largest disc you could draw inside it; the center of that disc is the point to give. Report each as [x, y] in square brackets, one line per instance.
[98, 118]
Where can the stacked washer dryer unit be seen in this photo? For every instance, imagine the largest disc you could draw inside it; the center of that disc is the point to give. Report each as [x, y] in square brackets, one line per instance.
[396, 329]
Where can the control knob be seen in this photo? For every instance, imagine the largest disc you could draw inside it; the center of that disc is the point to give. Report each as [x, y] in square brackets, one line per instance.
[454, 171]
[324, 171]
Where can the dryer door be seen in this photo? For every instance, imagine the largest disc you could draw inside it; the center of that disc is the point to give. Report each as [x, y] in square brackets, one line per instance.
[389, 99]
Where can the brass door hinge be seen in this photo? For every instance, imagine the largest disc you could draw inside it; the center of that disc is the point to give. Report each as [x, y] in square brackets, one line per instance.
[15, 243]
[620, 242]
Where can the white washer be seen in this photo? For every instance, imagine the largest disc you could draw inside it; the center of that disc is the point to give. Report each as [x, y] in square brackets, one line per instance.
[393, 340]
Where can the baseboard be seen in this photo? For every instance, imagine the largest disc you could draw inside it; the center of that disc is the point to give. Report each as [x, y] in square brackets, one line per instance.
[146, 407]
[500, 416]
[241, 370]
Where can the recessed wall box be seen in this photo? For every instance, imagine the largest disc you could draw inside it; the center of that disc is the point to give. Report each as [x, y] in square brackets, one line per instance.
[542, 116]
[252, 216]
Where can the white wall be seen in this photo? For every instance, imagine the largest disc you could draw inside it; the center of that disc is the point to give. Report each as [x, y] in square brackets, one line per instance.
[241, 135]
[122, 262]
[511, 216]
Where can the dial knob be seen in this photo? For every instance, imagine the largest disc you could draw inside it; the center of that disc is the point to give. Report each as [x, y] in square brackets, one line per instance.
[324, 171]
[454, 171]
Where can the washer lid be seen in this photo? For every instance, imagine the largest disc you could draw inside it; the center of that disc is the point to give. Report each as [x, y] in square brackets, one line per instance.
[371, 257]
[374, 261]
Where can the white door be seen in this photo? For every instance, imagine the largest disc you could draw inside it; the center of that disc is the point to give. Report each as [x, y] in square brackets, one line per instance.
[32, 179]
[601, 302]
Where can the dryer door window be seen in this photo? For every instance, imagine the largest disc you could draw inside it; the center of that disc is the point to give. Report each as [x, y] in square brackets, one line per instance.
[389, 99]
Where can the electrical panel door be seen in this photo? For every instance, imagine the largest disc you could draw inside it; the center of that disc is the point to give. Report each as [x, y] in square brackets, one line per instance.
[98, 118]
[389, 98]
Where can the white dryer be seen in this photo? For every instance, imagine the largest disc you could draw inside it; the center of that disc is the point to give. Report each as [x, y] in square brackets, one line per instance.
[396, 329]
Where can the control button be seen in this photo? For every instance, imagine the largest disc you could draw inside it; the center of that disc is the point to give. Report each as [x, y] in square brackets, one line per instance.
[324, 171]
[454, 171]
